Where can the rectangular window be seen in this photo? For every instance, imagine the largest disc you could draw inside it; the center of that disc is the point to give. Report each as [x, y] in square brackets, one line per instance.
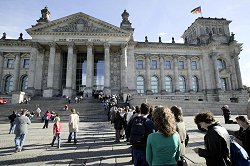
[26, 63]
[167, 64]
[181, 64]
[153, 64]
[139, 64]
[10, 63]
[194, 65]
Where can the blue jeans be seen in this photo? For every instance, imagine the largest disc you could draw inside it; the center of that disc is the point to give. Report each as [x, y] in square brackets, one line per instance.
[12, 127]
[58, 137]
[70, 137]
[19, 141]
[139, 157]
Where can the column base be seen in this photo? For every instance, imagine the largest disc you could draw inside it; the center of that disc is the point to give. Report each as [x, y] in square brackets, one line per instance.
[88, 91]
[67, 92]
[149, 92]
[49, 92]
[17, 97]
[31, 91]
[107, 91]
[163, 92]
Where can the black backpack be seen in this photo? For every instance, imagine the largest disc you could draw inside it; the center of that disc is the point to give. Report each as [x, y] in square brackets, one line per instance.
[138, 131]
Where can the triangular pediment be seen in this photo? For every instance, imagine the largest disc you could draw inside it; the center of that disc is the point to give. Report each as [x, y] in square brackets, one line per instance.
[77, 23]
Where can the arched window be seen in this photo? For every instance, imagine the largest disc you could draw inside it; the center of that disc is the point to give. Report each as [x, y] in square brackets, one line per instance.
[140, 84]
[168, 84]
[182, 84]
[195, 84]
[154, 84]
[221, 64]
[24, 83]
[8, 84]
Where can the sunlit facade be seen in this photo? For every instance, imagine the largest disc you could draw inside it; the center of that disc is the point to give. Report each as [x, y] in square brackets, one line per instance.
[79, 53]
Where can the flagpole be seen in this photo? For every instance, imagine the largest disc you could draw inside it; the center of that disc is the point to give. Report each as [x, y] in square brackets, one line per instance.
[201, 11]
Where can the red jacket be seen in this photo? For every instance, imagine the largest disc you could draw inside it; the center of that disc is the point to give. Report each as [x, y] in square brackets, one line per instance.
[57, 128]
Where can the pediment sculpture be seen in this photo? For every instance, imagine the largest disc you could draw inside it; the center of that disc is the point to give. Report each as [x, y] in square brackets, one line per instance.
[80, 25]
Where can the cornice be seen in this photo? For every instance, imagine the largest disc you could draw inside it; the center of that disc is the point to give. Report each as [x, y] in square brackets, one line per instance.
[80, 34]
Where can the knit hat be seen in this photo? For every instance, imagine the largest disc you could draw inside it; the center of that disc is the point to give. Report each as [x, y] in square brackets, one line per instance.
[57, 119]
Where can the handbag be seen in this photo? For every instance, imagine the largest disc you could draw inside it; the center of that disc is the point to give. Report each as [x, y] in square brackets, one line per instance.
[182, 161]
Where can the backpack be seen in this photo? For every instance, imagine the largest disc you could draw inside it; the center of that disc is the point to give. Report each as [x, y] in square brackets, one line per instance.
[138, 131]
[239, 156]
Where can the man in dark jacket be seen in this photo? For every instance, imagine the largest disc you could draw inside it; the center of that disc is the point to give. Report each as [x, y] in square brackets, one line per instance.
[226, 113]
[216, 141]
[12, 123]
[139, 149]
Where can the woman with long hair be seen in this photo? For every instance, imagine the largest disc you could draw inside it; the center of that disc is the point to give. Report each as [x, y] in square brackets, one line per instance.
[163, 146]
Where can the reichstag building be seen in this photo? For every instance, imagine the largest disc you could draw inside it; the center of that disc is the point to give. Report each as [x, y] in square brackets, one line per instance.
[80, 53]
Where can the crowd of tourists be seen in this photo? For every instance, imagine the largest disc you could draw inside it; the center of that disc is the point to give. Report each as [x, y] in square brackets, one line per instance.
[157, 135]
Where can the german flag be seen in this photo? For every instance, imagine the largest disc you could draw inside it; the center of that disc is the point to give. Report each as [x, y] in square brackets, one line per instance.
[196, 10]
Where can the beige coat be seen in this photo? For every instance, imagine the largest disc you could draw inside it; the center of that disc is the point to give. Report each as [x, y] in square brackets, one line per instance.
[73, 123]
[182, 132]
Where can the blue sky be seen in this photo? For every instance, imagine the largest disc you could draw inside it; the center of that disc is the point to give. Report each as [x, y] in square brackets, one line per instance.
[152, 18]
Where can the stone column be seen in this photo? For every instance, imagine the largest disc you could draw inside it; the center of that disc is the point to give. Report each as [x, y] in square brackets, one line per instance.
[238, 73]
[74, 71]
[202, 83]
[1, 70]
[216, 71]
[32, 69]
[16, 72]
[162, 82]
[233, 75]
[131, 76]
[107, 89]
[39, 72]
[176, 74]
[189, 75]
[148, 78]
[67, 91]
[124, 66]
[49, 91]
[90, 69]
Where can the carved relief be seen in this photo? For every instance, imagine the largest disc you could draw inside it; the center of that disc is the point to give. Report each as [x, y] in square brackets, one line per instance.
[115, 74]
[80, 25]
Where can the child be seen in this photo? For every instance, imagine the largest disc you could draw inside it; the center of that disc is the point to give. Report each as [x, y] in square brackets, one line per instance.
[57, 128]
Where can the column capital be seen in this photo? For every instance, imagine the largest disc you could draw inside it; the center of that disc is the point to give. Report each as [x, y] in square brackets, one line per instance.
[37, 46]
[106, 45]
[71, 44]
[175, 56]
[89, 44]
[52, 44]
[124, 45]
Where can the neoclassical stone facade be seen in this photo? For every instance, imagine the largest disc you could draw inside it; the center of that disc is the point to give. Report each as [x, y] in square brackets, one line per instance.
[79, 53]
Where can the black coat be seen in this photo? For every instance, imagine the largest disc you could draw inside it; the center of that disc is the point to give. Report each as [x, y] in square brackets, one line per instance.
[217, 146]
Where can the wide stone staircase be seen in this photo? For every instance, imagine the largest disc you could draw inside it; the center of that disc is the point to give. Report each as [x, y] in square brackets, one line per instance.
[90, 109]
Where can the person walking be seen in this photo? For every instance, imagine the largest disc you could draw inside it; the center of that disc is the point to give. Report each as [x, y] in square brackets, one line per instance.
[163, 146]
[73, 125]
[180, 127]
[216, 141]
[21, 130]
[46, 118]
[12, 122]
[57, 129]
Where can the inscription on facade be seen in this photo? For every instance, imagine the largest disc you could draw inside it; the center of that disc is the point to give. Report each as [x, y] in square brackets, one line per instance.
[80, 40]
